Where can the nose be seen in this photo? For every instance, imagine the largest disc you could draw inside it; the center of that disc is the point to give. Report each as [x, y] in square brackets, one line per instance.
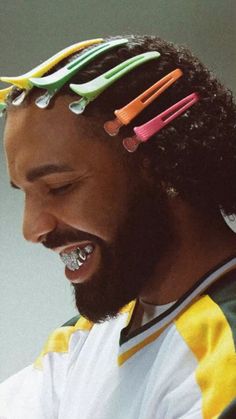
[38, 221]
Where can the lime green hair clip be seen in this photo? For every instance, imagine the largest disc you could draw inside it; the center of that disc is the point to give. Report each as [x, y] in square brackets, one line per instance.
[3, 96]
[23, 81]
[55, 81]
[2, 108]
[4, 93]
[92, 89]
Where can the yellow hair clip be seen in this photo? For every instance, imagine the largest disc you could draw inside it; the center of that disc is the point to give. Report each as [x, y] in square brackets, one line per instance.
[4, 93]
[23, 81]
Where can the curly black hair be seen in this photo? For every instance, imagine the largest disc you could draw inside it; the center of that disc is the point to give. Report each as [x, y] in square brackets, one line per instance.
[196, 154]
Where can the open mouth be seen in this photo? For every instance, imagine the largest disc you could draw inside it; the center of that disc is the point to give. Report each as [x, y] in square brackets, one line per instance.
[76, 258]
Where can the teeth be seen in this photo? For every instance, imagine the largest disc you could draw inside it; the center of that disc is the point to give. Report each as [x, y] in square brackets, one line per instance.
[76, 258]
[82, 255]
[89, 249]
[71, 260]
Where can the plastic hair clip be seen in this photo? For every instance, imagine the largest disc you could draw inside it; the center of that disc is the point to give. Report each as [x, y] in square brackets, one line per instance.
[125, 115]
[18, 99]
[54, 82]
[4, 93]
[147, 130]
[23, 81]
[2, 108]
[91, 90]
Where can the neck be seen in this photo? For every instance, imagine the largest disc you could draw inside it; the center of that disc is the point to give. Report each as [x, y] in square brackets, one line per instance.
[200, 244]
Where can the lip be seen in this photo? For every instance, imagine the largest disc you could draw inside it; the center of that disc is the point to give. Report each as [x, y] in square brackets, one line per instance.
[85, 272]
[69, 248]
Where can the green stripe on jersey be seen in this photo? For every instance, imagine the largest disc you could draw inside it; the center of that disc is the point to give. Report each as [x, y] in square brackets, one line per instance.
[72, 322]
[223, 293]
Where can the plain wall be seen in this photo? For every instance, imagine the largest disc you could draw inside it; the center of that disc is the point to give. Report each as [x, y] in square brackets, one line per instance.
[35, 297]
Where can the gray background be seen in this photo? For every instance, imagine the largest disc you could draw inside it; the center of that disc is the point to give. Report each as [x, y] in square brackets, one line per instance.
[35, 297]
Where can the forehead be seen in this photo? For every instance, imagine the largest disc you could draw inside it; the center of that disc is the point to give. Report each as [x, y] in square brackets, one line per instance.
[50, 135]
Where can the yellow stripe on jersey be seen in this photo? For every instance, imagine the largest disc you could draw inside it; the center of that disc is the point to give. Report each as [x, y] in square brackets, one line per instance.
[59, 340]
[208, 334]
[130, 352]
[128, 308]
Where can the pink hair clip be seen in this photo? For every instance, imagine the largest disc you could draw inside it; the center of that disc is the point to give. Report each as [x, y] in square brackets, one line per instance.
[147, 130]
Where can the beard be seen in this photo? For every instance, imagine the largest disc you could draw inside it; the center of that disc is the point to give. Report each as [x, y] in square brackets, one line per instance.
[130, 261]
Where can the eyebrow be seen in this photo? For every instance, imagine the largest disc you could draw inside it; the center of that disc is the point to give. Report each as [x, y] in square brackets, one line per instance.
[38, 172]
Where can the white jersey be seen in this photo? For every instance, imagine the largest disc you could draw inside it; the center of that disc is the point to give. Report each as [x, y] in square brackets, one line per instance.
[181, 364]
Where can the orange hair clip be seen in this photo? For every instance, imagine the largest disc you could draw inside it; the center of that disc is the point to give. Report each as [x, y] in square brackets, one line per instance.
[130, 111]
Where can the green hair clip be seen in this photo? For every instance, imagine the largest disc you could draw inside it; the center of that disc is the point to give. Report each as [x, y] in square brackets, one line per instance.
[23, 81]
[92, 89]
[2, 108]
[54, 82]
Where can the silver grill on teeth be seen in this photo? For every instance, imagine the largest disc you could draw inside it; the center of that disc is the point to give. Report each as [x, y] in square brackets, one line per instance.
[75, 259]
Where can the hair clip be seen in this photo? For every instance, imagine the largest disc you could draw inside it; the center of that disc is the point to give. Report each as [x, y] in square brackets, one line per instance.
[4, 93]
[147, 130]
[18, 99]
[23, 81]
[2, 108]
[3, 96]
[125, 115]
[92, 89]
[54, 82]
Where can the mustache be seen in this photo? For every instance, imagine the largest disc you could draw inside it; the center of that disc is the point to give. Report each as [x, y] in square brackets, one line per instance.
[62, 238]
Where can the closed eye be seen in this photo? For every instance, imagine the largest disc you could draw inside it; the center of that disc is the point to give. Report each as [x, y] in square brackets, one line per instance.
[60, 190]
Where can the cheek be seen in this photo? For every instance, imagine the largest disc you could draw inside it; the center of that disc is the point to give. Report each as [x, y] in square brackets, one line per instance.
[100, 211]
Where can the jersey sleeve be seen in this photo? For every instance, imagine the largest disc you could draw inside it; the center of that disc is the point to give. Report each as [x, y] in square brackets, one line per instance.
[36, 391]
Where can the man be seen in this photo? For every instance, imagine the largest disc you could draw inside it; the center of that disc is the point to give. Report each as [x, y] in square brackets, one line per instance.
[142, 236]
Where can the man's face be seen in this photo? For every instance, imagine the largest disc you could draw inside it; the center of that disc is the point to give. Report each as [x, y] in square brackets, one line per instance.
[82, 192]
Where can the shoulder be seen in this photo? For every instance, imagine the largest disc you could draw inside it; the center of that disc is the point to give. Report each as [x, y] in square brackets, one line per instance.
[60, 340]
[208, 329]
[213, 310]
